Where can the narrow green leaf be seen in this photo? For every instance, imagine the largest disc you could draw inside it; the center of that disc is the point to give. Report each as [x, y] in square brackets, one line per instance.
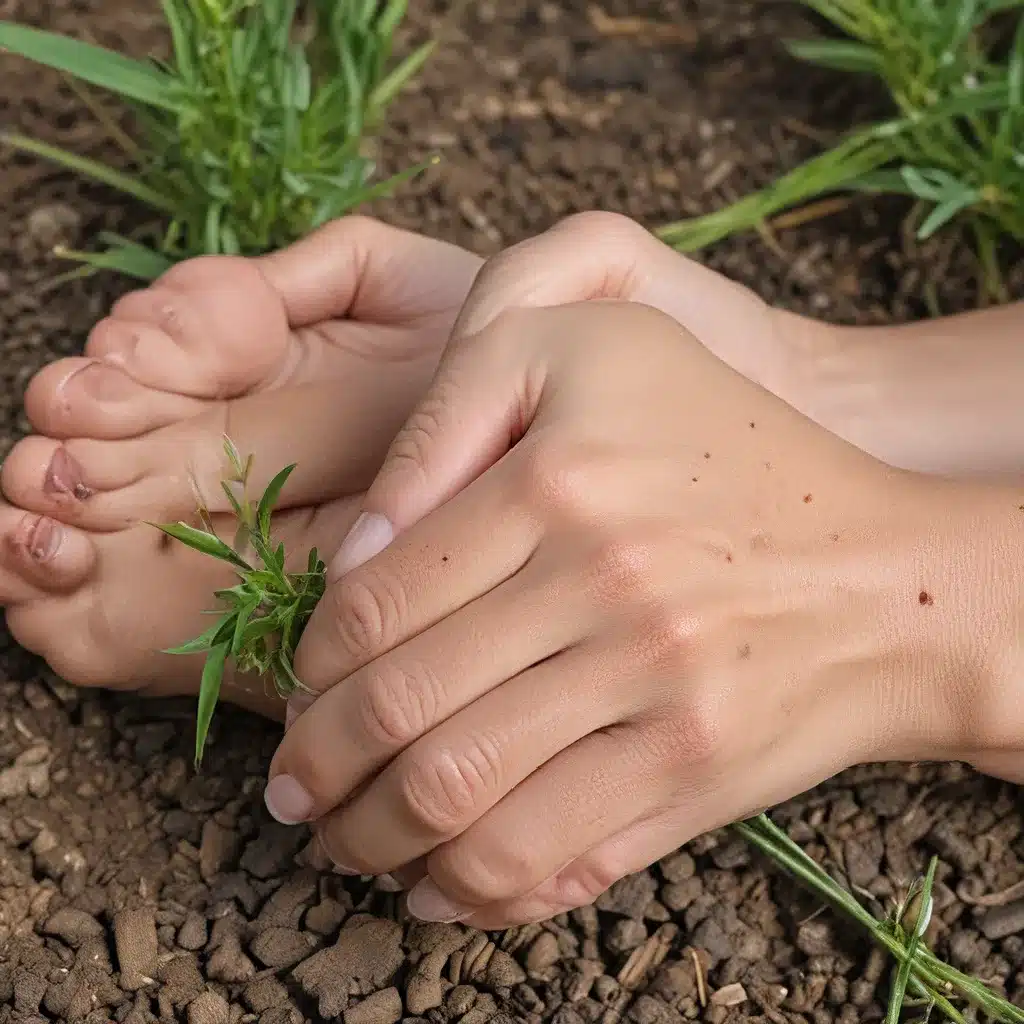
[270, 499]
[203, 642]
[209, 693]
[839, 55]
[924, 916]
[90, 168]
[397, 80]
[241, 621]
[183, 55]
[96, 65]
[944, 212]
[202, 541]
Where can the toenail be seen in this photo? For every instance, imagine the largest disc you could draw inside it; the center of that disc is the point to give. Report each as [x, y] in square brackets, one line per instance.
[104, 383]
[45, 539]
[39, 536]
[298, 704]
[427, 903]
[64, 477]
[120, 355]
[287, 800]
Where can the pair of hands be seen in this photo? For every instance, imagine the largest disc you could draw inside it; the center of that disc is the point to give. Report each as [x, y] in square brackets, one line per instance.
[607, 594]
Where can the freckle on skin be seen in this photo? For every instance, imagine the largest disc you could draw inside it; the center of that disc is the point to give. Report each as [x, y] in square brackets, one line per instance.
[744, 652]
[707, 455]
[752, 424]
[834, 538]
[808, 498]
[728, 558]
[924, 598]
[696, 478]
[444, 558]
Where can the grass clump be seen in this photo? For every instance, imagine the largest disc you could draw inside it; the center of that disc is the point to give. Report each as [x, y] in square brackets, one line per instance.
[260, 628]
[954, 143]
[254, 133]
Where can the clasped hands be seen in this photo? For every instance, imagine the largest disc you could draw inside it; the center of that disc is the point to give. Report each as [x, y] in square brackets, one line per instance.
[605, 595]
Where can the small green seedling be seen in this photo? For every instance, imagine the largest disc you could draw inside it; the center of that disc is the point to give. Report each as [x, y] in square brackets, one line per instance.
[954, 72]
[267, 610]
[256, 132]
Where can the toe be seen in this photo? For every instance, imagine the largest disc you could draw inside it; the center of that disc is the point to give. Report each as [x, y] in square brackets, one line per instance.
[211, 327]
[86, 398]
[39, 555]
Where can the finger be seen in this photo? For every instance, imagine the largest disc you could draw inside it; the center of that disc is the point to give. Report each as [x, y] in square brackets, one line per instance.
[479, 539]
[592, 255]
[590, 791]
[360, 267]
[705, 802]
[445, 783]
[391, 703]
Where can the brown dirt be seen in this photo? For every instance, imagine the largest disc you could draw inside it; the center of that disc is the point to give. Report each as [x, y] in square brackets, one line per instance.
[132, 890]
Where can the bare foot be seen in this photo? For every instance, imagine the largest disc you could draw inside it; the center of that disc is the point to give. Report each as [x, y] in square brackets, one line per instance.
[314, 356]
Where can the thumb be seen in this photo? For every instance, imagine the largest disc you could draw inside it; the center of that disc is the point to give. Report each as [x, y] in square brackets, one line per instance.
[480, 401]
[363, 268]
[474, 411]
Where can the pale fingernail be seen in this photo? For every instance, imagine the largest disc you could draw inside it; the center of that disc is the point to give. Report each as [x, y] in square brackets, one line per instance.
[370, 535]
[44, 539]
[106, 383]
[297, 704]
[428, 903]
[287, 800]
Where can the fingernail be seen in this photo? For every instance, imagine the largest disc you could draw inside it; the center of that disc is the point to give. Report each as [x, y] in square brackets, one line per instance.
[64, 477]
[287, 801]
[45, 539]
[370, 535]
[298, 703]
[428, 903]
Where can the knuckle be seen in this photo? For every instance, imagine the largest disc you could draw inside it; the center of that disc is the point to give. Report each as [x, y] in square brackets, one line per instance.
[556, 478]
[448, 789]
[412, 447]
[399, 704]
[464, 867]
[591, 875]
[603, 227]
[671, 637]
[622, 570]
[366, 613]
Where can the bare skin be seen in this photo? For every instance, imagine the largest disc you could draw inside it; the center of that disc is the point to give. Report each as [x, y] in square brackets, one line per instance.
[316, 356]
[294, 356]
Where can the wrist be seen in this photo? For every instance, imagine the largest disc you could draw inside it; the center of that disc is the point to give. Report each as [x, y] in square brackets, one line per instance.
[959, 690]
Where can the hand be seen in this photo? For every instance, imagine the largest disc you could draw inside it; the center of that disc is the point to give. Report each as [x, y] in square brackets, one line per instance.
[627, 597]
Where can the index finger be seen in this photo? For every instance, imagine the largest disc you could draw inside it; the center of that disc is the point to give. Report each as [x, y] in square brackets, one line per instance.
[466, 548]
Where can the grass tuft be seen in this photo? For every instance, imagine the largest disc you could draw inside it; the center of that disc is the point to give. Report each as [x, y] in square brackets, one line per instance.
[268, 611]
[954, 72]
[254, 133]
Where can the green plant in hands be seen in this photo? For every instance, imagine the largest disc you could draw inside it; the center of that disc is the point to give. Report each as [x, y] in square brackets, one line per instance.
[266, 611]
[955, 142]
[253, 134]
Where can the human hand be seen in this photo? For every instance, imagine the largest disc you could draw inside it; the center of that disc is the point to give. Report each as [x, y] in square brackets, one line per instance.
[627, 597]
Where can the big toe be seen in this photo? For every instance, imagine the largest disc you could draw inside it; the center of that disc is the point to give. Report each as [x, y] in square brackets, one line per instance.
[210, 328]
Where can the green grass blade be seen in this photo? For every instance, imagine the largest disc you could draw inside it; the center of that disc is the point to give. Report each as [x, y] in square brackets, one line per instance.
[184, 58]
[269, 499]
[203, 542]
[130, 259]
[397, 80]
[209, 693]
[924, 916]
[90, 168]
[132, 79]
[837, 54]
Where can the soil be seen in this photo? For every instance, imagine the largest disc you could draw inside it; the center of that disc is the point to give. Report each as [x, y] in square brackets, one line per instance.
[132, 889]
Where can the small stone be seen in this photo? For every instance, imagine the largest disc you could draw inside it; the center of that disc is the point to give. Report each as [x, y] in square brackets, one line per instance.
[626, 935]
[1001, 922]
[54, 224]
[281, 947]
[264, 993]
[383, 1007]
[192, 934]
[460, 1000]
[814, 938]
[73, 926]
[544, 952]
[209, 1008]
[730, 995]
[137, 946]
[503, 971]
